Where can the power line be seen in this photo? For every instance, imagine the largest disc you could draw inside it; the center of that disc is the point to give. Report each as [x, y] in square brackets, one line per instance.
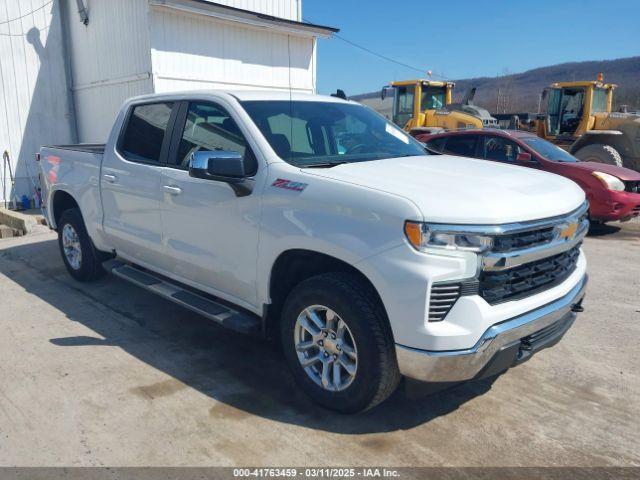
[27, 14]
[384, 57]
[380, 55]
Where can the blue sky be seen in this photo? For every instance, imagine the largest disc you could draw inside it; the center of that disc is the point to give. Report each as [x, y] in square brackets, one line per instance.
[466, 38]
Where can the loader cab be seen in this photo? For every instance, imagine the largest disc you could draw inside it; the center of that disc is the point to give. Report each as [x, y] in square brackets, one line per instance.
[413, 97]
[572, 106]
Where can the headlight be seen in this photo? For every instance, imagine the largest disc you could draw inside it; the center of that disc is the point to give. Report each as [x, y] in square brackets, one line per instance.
[424, 237]
[611, 182]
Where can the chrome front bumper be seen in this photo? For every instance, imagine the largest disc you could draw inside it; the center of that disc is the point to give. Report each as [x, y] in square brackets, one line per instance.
[501, 346]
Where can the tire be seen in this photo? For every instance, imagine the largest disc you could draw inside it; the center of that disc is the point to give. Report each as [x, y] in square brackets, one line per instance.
[86, 266]
[598, 152]
[367, 334]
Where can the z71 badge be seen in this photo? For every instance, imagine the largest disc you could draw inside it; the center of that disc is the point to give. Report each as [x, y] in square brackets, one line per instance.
[289, 185]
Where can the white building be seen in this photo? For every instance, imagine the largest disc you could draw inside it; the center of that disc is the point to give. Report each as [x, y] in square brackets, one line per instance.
[67, 65]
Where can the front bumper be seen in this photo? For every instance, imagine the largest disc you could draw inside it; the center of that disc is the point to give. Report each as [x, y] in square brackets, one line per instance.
[500, 347]
[615, 206]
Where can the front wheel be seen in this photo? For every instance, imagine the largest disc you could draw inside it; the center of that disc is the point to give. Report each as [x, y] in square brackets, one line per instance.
[338, 342]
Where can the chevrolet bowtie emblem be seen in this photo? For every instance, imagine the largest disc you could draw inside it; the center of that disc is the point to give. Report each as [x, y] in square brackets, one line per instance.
[567, 231]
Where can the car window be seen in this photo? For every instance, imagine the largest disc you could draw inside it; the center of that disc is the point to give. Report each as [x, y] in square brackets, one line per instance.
[437, 144]
[209, 127]
[463, 145]
[500, 149]
[318, 133]
[145, 131]
[548, 150]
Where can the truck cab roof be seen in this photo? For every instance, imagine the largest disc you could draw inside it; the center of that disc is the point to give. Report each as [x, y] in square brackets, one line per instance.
[241, 95]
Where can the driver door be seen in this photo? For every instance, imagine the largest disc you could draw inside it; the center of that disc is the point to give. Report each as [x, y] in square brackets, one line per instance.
[210, 234]
[403, 105]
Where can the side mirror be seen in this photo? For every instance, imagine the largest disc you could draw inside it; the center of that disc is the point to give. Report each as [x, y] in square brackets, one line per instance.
[383, 92]
[222, 166]
[524, 157]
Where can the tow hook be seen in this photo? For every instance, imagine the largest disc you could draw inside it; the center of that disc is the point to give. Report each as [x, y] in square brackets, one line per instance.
[577, 307]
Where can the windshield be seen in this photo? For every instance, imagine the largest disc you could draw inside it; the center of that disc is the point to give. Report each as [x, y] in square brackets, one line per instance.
[548, 150]
[311, 133]
[433, 98]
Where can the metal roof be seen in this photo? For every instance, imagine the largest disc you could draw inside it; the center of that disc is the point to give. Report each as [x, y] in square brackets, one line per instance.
[227, 12]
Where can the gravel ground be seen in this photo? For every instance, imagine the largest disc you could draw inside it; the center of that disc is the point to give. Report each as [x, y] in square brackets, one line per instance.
[108, 374]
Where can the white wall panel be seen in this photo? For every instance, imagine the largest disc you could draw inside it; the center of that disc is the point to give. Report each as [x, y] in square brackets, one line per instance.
[190, 51]
[115, 43]
[110, 60]
[34, 94]
[97, 107]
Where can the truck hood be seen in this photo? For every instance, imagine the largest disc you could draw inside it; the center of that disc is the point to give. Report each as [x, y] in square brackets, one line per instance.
[624, 174]
[450, 189]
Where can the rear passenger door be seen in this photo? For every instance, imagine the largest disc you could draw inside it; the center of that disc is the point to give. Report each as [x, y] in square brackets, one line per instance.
[130, 183]
[462, 145]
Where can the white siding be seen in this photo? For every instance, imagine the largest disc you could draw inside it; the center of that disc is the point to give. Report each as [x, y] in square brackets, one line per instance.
[34, 106]
[110, 61]
[289, 9]
[197, 52]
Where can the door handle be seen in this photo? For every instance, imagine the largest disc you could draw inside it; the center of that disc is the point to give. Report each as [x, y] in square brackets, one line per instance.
[108, 177]
[170, 189]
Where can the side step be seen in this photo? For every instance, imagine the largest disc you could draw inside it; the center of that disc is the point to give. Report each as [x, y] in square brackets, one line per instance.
[225, 316]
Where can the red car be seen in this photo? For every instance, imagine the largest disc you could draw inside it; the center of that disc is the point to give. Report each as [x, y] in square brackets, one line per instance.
[613, 192]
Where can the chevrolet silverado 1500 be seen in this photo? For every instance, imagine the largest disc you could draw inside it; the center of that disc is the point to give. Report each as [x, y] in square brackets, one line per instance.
[313, 220]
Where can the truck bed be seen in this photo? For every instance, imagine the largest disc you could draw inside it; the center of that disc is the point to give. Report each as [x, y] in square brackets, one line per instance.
[75, 168]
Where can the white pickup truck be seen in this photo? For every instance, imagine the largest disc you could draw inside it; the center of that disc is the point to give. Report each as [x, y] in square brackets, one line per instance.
[313, 219]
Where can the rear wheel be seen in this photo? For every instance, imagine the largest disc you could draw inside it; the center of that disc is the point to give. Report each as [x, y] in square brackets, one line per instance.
[82, 260]
[600, 153]
[338, 343]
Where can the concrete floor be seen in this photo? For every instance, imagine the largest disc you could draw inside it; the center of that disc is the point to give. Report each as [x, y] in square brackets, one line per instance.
[107, 374]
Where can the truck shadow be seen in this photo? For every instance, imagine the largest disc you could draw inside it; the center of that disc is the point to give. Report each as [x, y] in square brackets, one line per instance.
[602, 229]
[243, 375]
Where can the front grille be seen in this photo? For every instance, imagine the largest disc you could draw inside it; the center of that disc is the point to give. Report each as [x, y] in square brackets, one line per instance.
[527, 279]
[520, 240]
[442, 298]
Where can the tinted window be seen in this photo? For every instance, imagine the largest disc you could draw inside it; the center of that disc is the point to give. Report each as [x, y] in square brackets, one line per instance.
[437, 144]
[309, 133]
[142, 139]
[463, 145]
[500, 149]
[209, 127]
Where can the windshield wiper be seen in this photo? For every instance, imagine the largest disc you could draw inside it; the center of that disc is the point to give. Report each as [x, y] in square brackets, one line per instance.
[323, 165]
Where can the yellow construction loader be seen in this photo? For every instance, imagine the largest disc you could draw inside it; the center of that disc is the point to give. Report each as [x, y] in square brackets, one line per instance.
[579, 118]
[421, 106]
